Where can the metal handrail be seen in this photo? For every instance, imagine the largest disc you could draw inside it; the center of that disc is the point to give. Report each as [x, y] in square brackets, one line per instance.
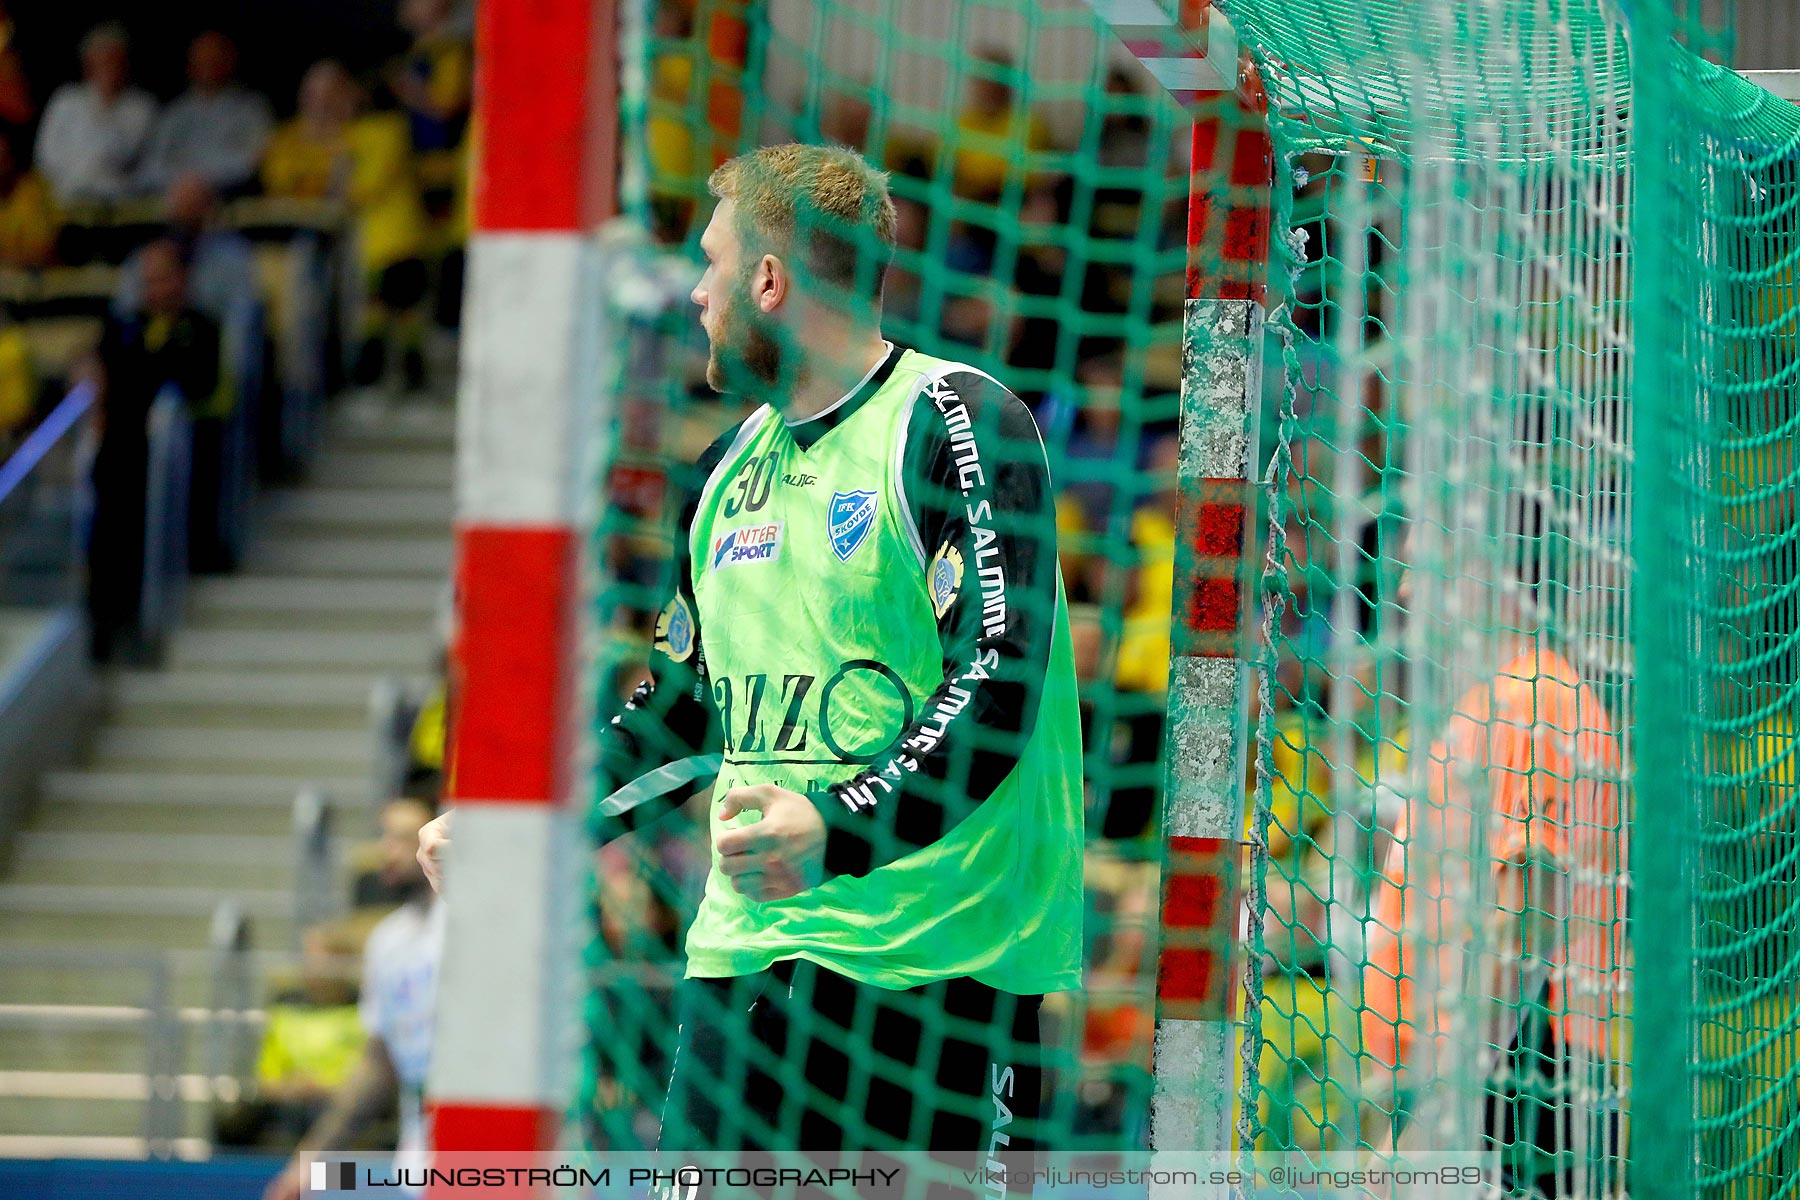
[166, 516]
[40, 441]
[164, 1034]
[316, 896]
[394, 705]
[230, 1054]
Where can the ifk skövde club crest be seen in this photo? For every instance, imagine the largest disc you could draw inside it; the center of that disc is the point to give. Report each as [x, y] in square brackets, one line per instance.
[852, 515]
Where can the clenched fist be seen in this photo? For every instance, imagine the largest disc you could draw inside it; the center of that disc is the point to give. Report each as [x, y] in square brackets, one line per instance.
[781, 855]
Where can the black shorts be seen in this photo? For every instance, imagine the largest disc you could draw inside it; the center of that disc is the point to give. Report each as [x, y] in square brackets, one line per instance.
[801, 1058]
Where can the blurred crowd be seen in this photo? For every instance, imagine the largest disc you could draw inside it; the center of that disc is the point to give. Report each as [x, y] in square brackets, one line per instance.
[148, 246]
[102, 168]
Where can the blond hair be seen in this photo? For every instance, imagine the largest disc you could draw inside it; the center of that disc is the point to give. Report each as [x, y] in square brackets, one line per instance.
[833, 194]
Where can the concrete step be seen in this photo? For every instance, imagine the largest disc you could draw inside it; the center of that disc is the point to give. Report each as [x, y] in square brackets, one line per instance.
[229, 862]
[82, 817]
[128, 790]
[136, 918]
[237, 699]
[132, 900]
[340, 622]
[117, 979]
[406, 424]
[301, 594]
[294, 695]
[76, 1146]
[282, 751]
[38, 1115]
[67, 1038]
[422, 512]
[332, 556]
[374, 653]
[399, 469]
[126, 803]
[137, 931]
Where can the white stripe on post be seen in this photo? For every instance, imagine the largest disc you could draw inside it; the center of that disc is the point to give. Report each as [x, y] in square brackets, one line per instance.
[504, 964]
[519, 411]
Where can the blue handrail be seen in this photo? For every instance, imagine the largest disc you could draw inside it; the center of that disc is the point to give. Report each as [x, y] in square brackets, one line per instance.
[43, 439]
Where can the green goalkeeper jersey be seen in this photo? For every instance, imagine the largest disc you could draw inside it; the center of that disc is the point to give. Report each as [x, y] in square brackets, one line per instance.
[868, 610]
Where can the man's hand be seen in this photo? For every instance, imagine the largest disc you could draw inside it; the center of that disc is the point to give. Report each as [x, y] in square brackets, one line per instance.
[781, 855]
[434, 839]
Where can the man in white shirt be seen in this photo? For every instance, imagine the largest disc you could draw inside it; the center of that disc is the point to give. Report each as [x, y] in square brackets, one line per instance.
[217, 128]
[94, 131]
[399, 1005]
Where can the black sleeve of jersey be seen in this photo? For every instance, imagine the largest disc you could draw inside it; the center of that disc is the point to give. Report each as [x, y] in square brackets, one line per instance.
[670, 718]
[978, 485]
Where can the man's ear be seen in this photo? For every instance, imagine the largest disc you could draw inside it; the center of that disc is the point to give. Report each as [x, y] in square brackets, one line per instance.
[769, 284]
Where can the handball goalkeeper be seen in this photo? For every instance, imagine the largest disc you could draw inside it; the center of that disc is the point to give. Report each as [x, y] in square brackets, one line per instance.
[867, 640]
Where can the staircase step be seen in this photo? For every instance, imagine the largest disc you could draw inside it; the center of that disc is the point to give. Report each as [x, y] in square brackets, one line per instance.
[85, 802]
[346, 621]
[112, 977]
[288, 751]
[403, 425]
[284, 650]
[270, 821]
[304, 595]
[422, 512]
[210, 860]
[292, 689]
[93, 1037]
[214, 698]
[308, 603]
[331, 556]
[132, 900]
[79, 1146]
[138, 931]
[128, 790]
[139, 918]
[24, 1116]
[399, 469]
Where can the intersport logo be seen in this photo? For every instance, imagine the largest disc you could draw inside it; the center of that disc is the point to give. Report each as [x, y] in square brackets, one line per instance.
[752, 543]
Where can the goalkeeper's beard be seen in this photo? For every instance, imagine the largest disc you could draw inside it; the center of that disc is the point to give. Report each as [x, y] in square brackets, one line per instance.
[745, 353]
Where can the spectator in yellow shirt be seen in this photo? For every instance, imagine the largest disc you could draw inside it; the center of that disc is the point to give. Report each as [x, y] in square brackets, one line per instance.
[996, 139]
[28, 215]
[312, 1043]
[1144, 641]
[434, 81]
[365, 161]
[18, 386]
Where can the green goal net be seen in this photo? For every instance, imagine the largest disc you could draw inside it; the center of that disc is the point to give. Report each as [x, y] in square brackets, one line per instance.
[1523, 833]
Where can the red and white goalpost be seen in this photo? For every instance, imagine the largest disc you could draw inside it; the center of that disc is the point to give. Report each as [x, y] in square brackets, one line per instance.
[1191, 51]
[545, 176]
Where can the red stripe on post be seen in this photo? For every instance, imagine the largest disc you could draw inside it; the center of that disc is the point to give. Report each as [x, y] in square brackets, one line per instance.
[1252, 158]
[518, 1132]
[512, 663]
[1199, 919]
[1210, 536]
[1228, 206]
[546, 103]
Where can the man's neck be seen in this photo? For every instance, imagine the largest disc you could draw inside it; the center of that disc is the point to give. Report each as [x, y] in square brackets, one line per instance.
[832, 375]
